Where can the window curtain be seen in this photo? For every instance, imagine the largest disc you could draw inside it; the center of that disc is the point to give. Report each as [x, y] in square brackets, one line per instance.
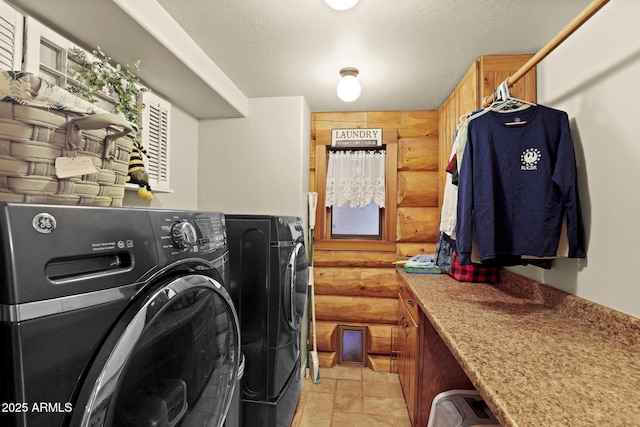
[356, 177]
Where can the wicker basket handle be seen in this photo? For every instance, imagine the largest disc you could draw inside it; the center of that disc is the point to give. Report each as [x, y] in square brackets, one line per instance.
[97, 121]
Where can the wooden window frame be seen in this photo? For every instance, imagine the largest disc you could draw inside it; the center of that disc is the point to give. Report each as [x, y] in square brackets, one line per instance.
[322, 232]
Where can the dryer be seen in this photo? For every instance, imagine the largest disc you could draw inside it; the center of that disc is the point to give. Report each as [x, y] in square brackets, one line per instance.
[268, 284]
[115, 317]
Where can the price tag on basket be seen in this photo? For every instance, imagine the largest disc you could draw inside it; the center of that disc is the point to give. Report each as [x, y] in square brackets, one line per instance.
[74, 166]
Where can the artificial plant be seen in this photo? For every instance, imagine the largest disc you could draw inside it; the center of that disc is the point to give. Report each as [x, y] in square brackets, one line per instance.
[96, 74]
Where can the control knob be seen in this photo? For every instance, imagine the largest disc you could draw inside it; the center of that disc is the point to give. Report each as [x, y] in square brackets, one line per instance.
[183, 234]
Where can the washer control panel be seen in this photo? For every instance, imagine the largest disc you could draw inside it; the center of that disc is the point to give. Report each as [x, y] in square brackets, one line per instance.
[183, 234]
[188, 233]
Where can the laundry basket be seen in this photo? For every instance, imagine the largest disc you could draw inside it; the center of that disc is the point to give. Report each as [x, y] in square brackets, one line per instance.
[461, 408]
[40, 124]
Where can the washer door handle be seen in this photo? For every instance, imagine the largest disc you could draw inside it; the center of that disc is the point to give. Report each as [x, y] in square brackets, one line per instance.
[291, 266]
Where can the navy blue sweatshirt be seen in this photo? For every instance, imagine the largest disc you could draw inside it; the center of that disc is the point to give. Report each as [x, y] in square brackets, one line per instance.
[516, 182]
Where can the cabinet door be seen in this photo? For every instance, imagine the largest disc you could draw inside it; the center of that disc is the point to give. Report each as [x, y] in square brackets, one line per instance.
[411, 335]
[402, 345]
[408, 357]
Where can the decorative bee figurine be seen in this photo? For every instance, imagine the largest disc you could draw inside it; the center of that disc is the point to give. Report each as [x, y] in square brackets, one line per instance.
[137, 172]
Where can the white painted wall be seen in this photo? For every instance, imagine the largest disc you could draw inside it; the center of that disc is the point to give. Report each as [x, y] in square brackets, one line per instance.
[184, 169]
[258, 164]
[595, 77]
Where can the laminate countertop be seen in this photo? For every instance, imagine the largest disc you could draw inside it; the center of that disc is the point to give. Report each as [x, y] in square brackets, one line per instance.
[538, 356]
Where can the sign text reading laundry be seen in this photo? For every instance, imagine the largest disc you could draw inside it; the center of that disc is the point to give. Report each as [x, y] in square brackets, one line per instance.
[356, 137]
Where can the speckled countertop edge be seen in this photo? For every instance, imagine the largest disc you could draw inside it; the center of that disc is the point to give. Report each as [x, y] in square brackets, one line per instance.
[539, 356]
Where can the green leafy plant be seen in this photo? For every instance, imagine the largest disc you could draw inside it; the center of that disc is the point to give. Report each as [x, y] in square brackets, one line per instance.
[96, 75]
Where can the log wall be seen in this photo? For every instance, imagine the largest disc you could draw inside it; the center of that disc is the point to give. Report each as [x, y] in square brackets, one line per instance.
[359, 287]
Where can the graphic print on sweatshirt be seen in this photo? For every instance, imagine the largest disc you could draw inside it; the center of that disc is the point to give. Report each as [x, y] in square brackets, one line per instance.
[530, 158]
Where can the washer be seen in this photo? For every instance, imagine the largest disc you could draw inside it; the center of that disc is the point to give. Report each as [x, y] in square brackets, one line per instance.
[115, 317]
[269, 277]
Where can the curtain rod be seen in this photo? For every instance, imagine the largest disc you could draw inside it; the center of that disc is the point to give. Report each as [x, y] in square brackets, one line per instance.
[587, 13]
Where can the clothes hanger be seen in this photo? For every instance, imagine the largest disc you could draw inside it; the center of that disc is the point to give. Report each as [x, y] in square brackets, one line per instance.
[504, 99]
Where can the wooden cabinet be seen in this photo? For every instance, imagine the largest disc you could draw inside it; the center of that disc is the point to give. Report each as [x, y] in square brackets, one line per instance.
[425, 365]
[482, 78]
[409, 354]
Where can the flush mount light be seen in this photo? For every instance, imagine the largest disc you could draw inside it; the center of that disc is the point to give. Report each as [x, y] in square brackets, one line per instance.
[349, 86]
[341, 4]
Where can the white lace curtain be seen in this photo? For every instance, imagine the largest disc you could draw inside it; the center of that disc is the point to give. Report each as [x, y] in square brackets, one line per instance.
[355, 177]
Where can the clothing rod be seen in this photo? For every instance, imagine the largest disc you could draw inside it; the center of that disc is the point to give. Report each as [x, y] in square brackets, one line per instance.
[572, 26]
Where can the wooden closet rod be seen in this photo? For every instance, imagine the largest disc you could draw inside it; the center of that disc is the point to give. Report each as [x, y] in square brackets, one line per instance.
[587, 13]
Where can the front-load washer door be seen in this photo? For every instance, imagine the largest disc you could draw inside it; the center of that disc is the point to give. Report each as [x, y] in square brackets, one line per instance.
[173, 362]
[295, 287]
[293, 294]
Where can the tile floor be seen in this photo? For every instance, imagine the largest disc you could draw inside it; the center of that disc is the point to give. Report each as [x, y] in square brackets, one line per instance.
[354, 397]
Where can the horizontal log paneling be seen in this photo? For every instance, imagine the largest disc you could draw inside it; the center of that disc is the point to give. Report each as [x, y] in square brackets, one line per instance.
[411, 249]
[336, 120]
[328, 258]
[379, 363]
[418, 224]
[356, 309]
[326, 338]
[418, 123]
[326, 360]
[418, 153]
[410, 124]
[379, 339]
[367, 282]
[385, 119]
[417, 189]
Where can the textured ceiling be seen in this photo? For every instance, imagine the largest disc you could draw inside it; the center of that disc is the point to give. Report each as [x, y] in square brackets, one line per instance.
[410, 53]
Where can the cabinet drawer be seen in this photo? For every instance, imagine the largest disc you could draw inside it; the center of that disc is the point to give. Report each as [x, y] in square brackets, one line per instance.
[409, 300]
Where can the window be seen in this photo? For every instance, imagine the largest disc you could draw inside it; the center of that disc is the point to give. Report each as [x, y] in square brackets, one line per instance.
[355, 193]
[48, 55]
[334, 225]
[356, 222]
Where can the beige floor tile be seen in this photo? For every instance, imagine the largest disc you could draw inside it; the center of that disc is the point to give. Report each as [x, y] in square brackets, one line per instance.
[368, 420]
[395, 389]
[348, 403]
[326, 385]
[370, 374]
[318, 402]
[342, 372]
[352, 397]
[315, 411]
[392, 406]
[352, 386]
[378, 388]
[322, 420]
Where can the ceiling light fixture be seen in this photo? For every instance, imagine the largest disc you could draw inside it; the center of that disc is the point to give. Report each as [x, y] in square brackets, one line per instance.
[349, 86]
[341, 4]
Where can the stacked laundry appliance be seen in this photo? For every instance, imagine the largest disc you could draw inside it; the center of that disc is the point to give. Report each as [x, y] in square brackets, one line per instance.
[268, 285]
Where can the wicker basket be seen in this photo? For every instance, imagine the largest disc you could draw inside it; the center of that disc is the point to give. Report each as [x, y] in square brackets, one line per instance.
[32, 138]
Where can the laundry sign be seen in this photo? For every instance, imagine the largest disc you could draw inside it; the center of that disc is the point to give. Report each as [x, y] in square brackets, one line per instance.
[371, 137]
